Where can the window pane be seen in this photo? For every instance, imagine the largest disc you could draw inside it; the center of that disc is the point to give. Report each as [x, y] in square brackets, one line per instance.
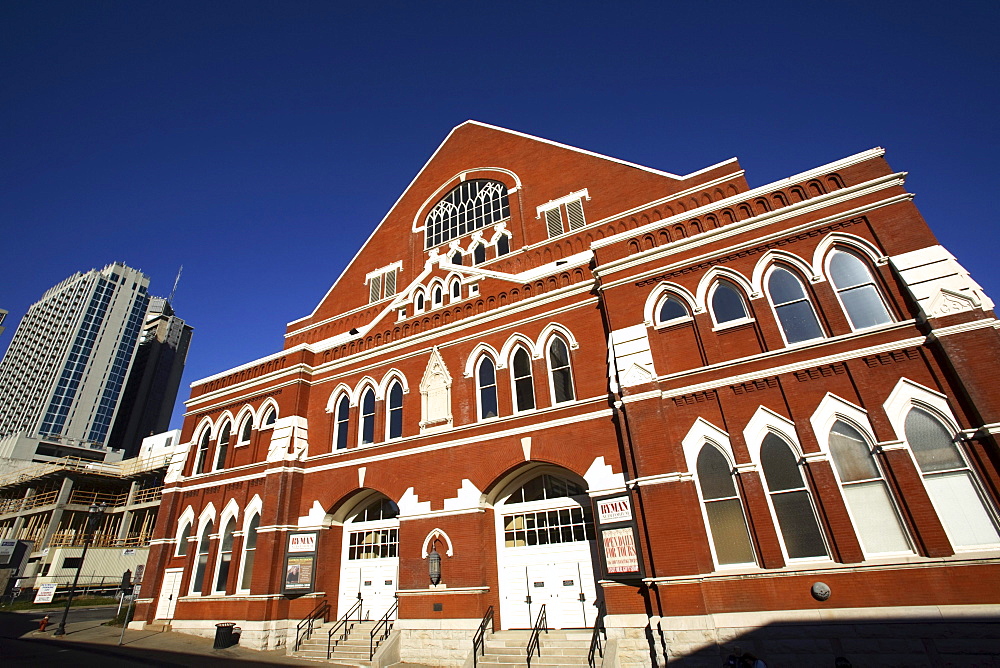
[715, 476]
[865, 307]
[851, 454]
[798, 321]
[878, 525]
[781, 468]
[368, 417]
[961, 509]
[798, 525]
[729, 532]
[727, 305]
[931, 443]
[525, 394]
[563, 383]
[479, 254]
[784, 287]
[671, 310]
[848, 271]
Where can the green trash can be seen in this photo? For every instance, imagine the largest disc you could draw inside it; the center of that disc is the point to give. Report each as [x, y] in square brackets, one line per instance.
[223, 635]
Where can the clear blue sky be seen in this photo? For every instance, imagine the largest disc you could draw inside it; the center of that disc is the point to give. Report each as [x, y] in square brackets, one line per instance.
[259, 143]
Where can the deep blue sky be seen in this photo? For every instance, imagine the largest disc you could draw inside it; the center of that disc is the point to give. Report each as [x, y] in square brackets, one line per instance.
[259, 143]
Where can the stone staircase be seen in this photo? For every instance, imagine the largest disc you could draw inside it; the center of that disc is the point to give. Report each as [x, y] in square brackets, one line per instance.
[354, 651]
[505, 649]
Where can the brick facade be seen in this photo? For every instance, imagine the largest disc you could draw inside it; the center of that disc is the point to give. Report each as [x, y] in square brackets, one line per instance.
[638, 416]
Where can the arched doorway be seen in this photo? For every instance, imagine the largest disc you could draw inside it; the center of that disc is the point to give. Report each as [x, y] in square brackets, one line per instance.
[369, 562]
[545, 550]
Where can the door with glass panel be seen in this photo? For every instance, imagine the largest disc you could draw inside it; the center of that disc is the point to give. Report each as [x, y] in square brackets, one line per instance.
[369, 565]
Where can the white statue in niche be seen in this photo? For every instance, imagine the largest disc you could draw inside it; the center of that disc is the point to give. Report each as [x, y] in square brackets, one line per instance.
[435, 395]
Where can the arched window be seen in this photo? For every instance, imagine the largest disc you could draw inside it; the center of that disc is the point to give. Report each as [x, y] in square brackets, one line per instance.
[182, 541]
[223, 446]
[875, 518]
[342, 422]
[438, 296]
[201, 458]
[245, 429]
[249, 550]
[486, 377]
[791, 500]
[368, 417]
[470, 206]
[503, 245]
[727, 303]
[857, 291]
[560, 372]
[270, 417]
[727, 527]
[950, 483]
[198, 581]
[479, 254]
[394, 428]
[792, 306]
[531, 526]
[225, 555]
[456, 289]
[418, 303]
[524, 388]
[671, 308]
[456, 257]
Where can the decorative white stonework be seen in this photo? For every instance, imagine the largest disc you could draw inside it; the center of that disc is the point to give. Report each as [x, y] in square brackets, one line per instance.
[314, 518]
[436, 534]
[939, 283]
[468, 497]
[289, 440]
[632, 354]
[602, 478]
[410, 504]
[526, 448]
[175, 470]
[435, 395]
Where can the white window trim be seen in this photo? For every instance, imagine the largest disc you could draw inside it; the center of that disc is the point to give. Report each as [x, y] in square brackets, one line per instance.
[555, 203]
[831, 409]
[245, 414]
[230, 513]
[513, 380]
[774, 309]
[187, 518]
[548, 368]
[252, 510]
[729, 324]
[874, 281]
[207, 515]
[906, 396]
[764, 422]
[362, 390]
[388, 407]
[479, 394]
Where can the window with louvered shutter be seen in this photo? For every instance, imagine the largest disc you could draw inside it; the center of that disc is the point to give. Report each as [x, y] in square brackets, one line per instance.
[574, 211]
[390, 283]
[553, 221]
[375, 289]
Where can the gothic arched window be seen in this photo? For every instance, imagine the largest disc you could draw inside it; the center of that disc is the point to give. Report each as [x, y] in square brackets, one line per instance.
[470, 206]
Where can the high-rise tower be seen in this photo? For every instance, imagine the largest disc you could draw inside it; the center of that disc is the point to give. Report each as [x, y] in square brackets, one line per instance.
[62, 377]
[149, 395]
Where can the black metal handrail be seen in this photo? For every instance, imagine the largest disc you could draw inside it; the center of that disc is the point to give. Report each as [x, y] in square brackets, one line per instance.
[541, 624]
[596, 646]
[386, 622]
[343, 626]
[305, 628]
[479, 640]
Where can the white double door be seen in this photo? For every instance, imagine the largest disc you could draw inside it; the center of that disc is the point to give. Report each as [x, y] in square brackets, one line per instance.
[169, 591]
[375, 579]
[561, 580]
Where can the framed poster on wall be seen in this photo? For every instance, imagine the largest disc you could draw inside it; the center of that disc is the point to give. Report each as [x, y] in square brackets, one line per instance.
[617, 536]
[300, 563]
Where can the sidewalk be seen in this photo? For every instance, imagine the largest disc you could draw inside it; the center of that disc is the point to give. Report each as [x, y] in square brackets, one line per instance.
[88, 643]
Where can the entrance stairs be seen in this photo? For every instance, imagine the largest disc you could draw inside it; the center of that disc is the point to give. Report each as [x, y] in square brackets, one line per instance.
[568, 647]
[354, 651]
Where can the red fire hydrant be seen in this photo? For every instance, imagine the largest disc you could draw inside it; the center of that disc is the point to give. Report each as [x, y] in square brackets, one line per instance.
[43, 622]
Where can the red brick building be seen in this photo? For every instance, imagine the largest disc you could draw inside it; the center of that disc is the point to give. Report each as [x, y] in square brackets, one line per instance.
[702, 408]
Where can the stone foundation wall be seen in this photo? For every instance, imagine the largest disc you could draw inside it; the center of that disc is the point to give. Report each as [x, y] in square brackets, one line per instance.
[253, 635]
[448, 648]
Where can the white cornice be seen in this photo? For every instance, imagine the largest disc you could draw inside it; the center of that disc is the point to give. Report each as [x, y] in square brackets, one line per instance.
[742, 227]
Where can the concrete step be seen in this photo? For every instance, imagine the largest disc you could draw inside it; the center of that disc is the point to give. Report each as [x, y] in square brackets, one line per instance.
[575, 650]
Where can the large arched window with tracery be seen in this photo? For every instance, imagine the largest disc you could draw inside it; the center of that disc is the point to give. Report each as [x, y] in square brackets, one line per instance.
[727, 526]
[470, 206]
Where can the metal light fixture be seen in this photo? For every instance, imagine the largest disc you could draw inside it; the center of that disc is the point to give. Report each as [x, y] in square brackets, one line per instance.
[434, 565]
[94, 514]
